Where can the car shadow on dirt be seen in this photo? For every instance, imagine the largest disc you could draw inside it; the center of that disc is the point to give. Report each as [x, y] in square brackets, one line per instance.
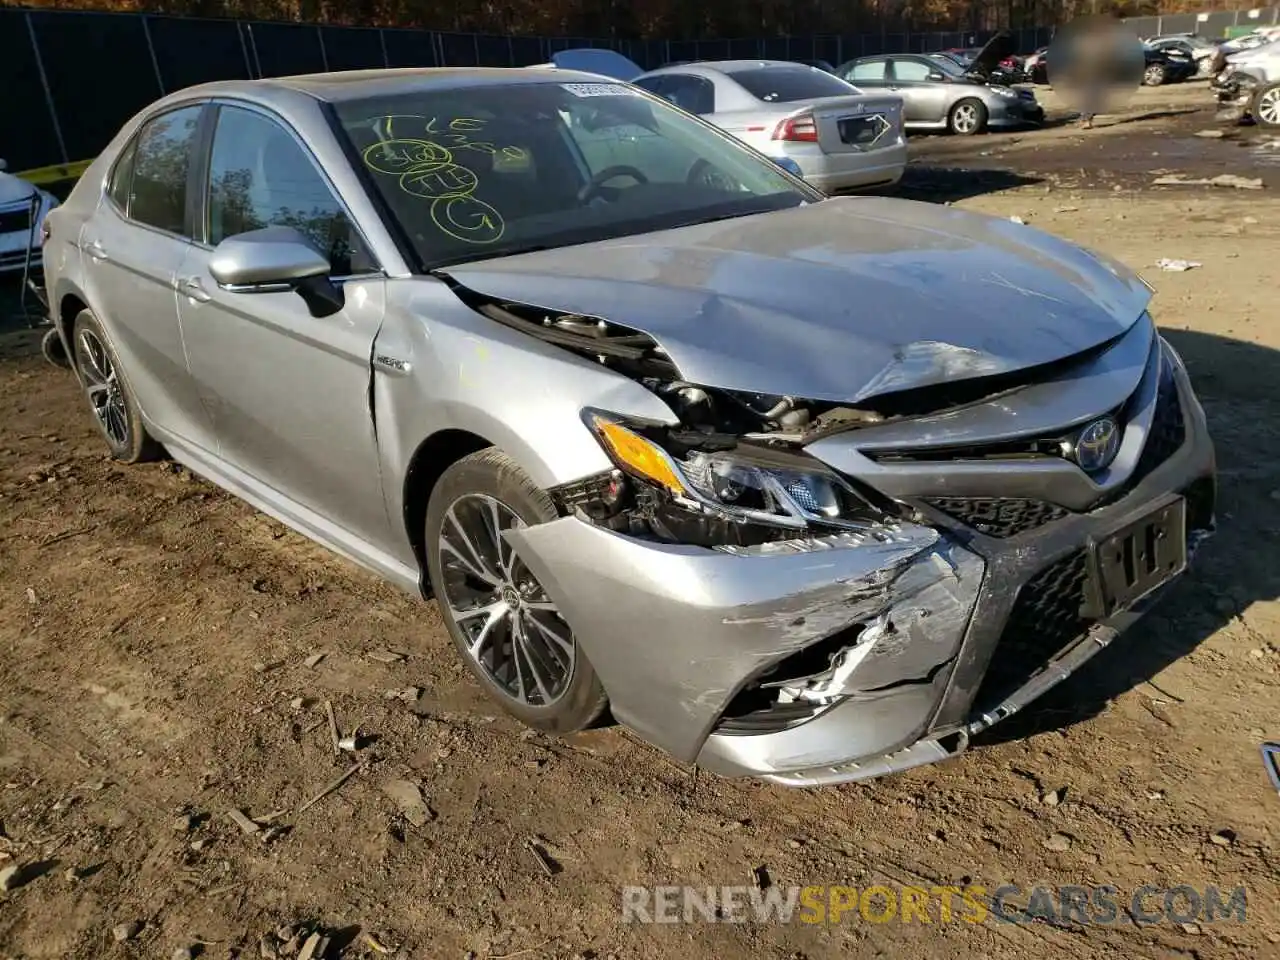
[939, 184]
[1234, 569]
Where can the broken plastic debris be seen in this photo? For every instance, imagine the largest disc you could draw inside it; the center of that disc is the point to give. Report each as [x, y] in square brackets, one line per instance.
[1177, 266]
[1017, 219]
[386, 656]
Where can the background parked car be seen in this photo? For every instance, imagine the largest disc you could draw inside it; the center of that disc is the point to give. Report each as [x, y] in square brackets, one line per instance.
[1201, 51]
[1250, 88]
[23, 207]
[940, 96]
[1034, 66]
[822, 65]
[841, 138]
[1167, 65]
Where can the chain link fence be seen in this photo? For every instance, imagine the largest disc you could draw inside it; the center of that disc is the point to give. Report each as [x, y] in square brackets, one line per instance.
[70, 79]
[1213, 25]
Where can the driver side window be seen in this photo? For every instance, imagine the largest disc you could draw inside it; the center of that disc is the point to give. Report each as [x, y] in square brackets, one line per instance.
[910, 70]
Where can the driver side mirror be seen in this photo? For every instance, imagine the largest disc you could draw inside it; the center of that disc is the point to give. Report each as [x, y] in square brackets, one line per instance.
[935, 75]
[273, 260]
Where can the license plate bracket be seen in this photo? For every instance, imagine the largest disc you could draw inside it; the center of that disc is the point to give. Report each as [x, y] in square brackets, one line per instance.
[861, 131]
[1137, 559]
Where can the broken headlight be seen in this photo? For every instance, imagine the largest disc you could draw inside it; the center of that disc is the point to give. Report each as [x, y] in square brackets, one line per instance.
[749, 485]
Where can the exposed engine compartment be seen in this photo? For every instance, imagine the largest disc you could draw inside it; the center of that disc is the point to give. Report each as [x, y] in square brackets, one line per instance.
[716, 416]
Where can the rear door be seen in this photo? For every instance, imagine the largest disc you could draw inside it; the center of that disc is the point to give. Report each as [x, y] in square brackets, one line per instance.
[132, 248]
[289, 393]
[924, 100]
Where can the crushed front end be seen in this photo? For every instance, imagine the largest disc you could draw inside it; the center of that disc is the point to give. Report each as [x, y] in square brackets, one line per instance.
[1234, 91]
[835, 593]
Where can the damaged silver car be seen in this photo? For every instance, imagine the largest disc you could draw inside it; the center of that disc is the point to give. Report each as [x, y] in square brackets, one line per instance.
[801, 488]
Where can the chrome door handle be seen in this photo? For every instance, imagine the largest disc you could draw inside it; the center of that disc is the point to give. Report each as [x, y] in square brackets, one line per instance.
[195, 290]
[96, 250]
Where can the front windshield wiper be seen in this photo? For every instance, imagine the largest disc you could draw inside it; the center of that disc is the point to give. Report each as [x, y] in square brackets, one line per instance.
[439, 264]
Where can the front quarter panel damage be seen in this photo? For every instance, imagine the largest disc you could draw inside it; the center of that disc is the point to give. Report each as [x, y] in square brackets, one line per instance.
[675, 631]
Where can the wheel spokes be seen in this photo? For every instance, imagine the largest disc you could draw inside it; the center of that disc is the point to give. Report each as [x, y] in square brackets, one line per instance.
[510, 627]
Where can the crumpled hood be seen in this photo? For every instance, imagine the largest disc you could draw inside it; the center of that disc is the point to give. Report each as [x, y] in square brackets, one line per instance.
[840, 300]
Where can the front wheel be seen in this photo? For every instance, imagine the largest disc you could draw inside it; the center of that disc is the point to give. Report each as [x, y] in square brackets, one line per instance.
[1154, 75]
[512, 637]
[967, 117]
[1266, 106]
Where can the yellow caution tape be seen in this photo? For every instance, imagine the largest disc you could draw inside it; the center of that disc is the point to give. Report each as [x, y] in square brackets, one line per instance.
[54, 173]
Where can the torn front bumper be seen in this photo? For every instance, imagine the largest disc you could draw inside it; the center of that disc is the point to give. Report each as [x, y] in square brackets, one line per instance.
[922, 617]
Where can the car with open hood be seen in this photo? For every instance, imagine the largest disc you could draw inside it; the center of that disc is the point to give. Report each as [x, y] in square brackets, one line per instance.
[23, 207]
[802, 116]
[797, 487]
[939, 93]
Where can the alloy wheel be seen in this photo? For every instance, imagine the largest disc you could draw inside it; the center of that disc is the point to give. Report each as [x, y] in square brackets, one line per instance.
[1269, 107]
[513, 630]
[966, 118]
[102, 386]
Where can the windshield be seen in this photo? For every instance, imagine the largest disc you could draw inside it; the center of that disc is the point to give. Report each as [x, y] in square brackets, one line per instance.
[476, 172]
[789, 84]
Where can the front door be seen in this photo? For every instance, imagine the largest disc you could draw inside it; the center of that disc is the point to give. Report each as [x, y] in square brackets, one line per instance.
[288, 393]
[923, 100]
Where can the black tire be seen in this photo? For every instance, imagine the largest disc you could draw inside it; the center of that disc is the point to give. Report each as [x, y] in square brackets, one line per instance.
[1154, 75]
[490, 475]
[53, 351]
[967, 117]
[1265, 108]
[119, 421]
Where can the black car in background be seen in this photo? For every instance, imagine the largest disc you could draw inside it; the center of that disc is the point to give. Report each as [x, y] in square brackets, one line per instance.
[1160, 66]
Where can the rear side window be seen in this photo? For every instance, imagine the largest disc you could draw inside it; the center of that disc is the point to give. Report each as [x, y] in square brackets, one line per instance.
[871, 70]
[162, 156]
[788, 84]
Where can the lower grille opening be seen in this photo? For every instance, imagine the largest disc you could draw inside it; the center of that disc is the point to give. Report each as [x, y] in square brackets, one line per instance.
[998, 517]
[1046, 618]
[757, 707]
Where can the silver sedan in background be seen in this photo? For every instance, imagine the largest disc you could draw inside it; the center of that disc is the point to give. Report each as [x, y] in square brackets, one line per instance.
[840, 137]
[939, 94]
[799, 487]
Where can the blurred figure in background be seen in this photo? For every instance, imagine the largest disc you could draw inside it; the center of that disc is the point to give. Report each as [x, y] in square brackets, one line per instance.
[1096, 62]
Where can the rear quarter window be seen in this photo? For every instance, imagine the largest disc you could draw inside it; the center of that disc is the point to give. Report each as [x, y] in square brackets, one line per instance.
[786, 84]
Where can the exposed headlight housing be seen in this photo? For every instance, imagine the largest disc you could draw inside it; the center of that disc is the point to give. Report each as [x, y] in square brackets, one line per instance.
[749, 486]
[1005, 92]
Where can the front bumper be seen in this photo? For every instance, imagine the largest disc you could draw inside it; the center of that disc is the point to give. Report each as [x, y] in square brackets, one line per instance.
[1008, 112]
[677, 634]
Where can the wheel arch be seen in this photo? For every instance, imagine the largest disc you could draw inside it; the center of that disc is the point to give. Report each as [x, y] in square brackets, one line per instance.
[430, 459]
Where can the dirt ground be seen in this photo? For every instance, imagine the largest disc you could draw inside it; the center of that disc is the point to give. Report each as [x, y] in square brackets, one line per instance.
[154, 634]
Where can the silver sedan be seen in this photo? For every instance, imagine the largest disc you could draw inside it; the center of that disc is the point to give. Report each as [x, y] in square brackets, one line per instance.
[939, 94]
[840, 137]
[803, 488]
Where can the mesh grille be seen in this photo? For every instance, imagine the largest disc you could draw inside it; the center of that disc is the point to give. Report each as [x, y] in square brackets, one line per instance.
[1168, 431]
[998, 517]
[1045, 618]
